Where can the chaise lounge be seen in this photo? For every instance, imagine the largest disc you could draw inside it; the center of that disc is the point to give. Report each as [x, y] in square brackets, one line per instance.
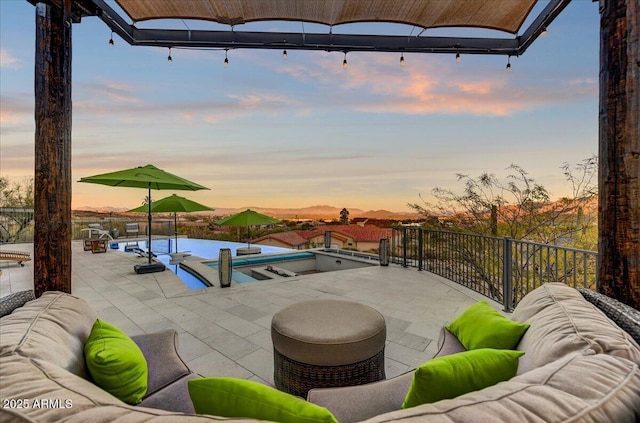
[578, 365]
[17, 256]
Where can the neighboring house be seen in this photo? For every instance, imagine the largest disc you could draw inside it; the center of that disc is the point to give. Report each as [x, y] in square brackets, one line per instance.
[355, 237]
[290, 239]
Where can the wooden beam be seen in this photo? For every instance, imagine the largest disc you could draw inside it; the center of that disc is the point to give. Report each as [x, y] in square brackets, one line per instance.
[619, 151]
[52, 194]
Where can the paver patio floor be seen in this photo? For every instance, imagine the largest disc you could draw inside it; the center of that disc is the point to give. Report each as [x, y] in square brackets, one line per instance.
[226, 331]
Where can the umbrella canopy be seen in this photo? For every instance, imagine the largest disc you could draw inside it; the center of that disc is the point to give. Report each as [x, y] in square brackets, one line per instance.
[149, 177]
[247, 218]
[172, 204]
[175, 204]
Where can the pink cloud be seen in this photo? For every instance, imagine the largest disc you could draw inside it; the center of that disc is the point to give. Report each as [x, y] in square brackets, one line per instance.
[9, 117]
[9, 61]
[431, 85]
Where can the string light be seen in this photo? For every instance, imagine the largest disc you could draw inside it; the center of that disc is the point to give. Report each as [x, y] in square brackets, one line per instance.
[509, 62]
[169, 58]
[401, 59]
[345, 65]
[226, 59]
[284, 54]
[457, 57]
[111, 39]
[544, 31]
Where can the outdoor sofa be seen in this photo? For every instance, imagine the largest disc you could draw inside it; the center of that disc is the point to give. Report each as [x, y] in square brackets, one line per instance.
[578, 366]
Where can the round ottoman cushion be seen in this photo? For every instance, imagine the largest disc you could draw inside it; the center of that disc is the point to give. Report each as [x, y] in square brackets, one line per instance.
[328, 332]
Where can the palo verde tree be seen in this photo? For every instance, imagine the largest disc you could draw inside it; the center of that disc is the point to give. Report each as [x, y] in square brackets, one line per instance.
[520, 208]
[16, 208]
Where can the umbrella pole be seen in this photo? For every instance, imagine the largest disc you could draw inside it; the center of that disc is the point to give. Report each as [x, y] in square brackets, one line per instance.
[149, 227]
[175, 228]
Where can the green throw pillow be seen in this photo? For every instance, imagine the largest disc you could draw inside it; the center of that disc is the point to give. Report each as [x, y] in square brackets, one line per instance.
[116, 363]
[231, 397]
[456, 374]
[481, 326]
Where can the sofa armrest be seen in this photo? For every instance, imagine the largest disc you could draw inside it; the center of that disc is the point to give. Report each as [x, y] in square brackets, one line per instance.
[160, 349]
[361, 402]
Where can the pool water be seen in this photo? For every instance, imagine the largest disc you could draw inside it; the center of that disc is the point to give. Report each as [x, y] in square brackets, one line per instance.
[205, 248]
[241, 277]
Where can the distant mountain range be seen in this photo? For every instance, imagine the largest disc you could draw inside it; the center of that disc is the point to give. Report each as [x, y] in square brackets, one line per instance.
[312, 212]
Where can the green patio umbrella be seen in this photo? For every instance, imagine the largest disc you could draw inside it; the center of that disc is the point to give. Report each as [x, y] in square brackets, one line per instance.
[247, 218]
[149, 177]
[174, 204]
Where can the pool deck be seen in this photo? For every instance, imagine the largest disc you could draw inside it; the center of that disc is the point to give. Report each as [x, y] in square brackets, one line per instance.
[226, 331]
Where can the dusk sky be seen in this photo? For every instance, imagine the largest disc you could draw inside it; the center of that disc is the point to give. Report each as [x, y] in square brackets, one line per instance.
[269, 132]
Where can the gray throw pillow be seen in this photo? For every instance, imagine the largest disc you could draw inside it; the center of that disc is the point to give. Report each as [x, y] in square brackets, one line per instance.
[15, 300]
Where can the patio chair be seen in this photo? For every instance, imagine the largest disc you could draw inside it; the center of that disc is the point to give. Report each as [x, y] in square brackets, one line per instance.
[18, 256]
[132, 228]
[98, 230]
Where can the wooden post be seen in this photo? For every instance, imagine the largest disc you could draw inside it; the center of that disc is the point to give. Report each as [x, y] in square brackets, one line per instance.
[52, 194]
[619, 168]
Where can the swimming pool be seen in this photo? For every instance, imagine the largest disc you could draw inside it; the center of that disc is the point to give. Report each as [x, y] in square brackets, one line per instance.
[241, 277]
[205, 248]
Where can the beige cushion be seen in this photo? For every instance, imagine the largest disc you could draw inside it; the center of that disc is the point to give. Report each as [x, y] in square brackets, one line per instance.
[31, 379]
[147, 415]
[82, 401]
[577, 388]
[53, 327]
[562, 322]
[328, 332]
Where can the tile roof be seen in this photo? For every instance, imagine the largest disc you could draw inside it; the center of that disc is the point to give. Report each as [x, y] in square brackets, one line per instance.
[289, 238]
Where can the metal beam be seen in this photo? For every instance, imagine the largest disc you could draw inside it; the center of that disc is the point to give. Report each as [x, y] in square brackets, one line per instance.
[200, 39]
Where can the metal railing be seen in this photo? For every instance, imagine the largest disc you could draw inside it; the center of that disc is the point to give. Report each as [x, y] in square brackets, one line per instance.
[502, 269]
[16, 226]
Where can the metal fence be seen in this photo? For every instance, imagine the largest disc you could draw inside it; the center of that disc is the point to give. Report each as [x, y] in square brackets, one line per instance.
[16, 226]
[502, 269]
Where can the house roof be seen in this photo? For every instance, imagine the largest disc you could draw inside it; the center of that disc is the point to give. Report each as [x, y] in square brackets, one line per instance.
[366, 233]
[289, 238]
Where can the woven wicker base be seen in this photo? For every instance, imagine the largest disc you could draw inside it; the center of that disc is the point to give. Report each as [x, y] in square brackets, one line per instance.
[297, 378]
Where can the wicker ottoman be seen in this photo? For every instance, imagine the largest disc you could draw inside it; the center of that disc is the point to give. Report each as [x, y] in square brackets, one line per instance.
[327, 343]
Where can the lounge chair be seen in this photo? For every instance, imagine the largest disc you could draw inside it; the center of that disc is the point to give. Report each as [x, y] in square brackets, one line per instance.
[19, 256]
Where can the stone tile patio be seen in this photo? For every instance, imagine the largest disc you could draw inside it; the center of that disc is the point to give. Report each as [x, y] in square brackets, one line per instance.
[226, 332]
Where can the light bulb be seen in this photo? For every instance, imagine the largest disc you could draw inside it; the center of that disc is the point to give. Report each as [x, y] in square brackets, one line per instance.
[457, 57]
[402, 59]
[345, 65]
[284, 54]
[509, 63]
[226, 59]
[111, 39]
[169, 58]
[544, 32]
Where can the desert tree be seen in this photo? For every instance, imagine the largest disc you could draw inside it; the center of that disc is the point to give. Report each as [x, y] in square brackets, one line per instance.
[516, 206]
[520, 208]
[344, 216]
[16, 208]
